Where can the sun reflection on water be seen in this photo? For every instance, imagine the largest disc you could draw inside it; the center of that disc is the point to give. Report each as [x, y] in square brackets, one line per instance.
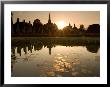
[61, 61]
[62, 67]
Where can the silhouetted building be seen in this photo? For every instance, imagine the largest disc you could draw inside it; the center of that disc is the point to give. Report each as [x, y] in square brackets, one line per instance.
[50, 29]
[67, 29]
[29, 27]
[22, 27]
[37, 26]
[81, 29]
[75, 30]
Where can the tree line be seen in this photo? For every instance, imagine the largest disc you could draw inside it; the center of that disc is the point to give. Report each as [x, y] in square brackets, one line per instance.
[50, 29]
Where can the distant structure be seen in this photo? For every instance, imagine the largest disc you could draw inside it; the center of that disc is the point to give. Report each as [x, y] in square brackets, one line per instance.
[75, 30]
[22, 27]
[50, 29]
[82, 29]
[49, 21]
[37, 27]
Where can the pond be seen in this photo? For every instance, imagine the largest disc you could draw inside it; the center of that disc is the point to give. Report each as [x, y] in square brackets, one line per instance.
[55, 57]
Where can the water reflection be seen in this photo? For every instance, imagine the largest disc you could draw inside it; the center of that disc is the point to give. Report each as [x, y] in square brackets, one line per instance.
[92, 48]
[30, 55]
[63, 67]
[39, 43]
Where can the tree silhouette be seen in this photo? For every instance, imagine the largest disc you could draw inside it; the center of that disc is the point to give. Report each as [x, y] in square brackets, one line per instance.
[50, 29]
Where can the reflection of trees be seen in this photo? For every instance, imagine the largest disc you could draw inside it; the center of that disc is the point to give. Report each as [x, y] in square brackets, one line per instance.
[38, 46]
[92, 45]
[19, 50]
[24, 49]
[61, 66]
[92, 48]
[13, 51]
[13, 58]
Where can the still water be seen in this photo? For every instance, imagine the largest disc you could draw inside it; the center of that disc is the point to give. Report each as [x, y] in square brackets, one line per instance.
[55, 57]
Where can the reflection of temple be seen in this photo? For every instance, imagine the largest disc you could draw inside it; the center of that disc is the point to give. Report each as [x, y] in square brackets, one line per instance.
[49, 46]
[38, 44]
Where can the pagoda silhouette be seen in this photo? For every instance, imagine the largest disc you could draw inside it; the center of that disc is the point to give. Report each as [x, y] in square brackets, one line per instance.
[50, 29]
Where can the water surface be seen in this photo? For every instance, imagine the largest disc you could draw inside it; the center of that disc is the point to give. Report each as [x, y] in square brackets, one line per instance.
[55, 57]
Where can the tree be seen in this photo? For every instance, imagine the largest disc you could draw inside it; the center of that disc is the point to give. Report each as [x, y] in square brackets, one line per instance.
[94, 28]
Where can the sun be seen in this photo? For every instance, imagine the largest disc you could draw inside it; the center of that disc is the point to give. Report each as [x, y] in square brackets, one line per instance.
[61, 24]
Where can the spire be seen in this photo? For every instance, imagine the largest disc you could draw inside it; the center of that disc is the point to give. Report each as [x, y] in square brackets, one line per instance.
[74, 25]
[69, 24]
[29, 22]
[49, 21]
[24, 21]
[17, 20]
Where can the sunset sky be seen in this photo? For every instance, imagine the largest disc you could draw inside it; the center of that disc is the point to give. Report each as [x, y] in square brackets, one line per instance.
[74, 17]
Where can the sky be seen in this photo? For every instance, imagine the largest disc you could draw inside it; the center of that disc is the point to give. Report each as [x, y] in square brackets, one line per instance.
[73, 17]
